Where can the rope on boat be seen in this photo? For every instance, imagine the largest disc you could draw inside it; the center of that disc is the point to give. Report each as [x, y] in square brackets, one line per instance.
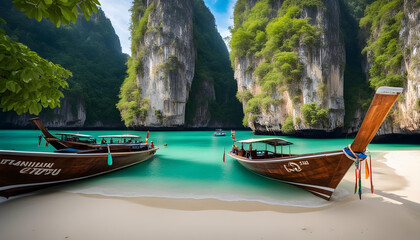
[353, 156]
[358, 160]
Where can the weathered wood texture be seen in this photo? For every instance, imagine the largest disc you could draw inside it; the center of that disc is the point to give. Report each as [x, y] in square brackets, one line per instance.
[377, 112]
[318, 173]
[24, 171]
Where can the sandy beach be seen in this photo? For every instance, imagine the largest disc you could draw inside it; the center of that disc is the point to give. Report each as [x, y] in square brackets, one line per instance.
[392, 212]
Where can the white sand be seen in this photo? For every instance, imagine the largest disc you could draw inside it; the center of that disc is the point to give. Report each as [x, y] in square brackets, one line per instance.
[393, 212]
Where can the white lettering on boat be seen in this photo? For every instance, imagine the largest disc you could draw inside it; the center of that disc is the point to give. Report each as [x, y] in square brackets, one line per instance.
[292, 167]
[40, 171]
[32, 168]
[303, 163]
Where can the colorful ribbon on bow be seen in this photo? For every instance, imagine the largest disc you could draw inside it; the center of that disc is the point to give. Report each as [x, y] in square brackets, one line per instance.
[359, 159]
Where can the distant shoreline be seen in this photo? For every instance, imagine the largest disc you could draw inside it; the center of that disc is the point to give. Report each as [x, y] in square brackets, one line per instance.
[168, 129]
[395, 138]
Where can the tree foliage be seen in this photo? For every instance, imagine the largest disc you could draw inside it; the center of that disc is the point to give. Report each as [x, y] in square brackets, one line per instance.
[131, 104]
[89, 49]
[288, 126]
[58, 11]
[314, 115]
[274, 37]
[356, 87]
[27, 81]
[212, 66]
[383, 19]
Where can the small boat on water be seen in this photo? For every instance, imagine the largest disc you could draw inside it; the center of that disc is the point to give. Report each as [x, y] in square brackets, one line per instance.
[219, 133]
[319, 173]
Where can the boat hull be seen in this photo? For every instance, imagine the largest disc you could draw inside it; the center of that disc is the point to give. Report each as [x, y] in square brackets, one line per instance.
[318, 173]
[22, 172]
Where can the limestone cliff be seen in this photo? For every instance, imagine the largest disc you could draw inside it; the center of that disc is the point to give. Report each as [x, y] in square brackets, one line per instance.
[177, 58]
[168, 61]
[211, 101]
[405, 116]
[66, 116]
[316, 80]
[407, 111]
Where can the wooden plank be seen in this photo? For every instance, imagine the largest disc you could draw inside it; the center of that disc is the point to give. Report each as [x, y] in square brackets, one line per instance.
[382, 103]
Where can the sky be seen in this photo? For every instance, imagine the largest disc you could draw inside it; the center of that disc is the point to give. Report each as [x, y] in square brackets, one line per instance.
[119, 14]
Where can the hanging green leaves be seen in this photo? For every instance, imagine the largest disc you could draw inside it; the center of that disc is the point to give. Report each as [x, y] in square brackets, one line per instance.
[58, 11]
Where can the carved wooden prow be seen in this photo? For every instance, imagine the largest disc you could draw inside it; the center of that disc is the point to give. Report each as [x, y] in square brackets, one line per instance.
[55, 142]
[42, 127]
[382, 103]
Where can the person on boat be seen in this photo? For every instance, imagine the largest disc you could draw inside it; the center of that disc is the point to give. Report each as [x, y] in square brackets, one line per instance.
[249, 151]
[151, 144]
[111, 141]
[235, 149]
[103, 141]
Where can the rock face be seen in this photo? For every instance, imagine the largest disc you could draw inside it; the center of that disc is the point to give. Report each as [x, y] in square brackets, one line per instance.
[405, 116]
[321, 79]
[408, 118]
[182, 84]
[168, 66]
[322, 76]
[64, 117]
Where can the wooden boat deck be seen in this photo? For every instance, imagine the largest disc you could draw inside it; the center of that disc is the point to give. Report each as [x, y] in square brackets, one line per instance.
[264, 155]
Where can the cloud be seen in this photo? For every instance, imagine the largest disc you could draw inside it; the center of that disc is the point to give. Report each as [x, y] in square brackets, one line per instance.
[119, 14]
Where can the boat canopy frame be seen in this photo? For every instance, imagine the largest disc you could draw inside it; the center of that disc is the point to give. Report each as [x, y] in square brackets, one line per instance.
[268, 141]
[120, 136]
[74, 135]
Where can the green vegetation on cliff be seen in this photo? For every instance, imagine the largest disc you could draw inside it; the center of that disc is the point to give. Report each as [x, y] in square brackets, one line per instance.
[211, 68]
[383, 20]
[89, 49]
[131, 104]
[288, 126]
[314, 115]
[356, 87]
[275, 38]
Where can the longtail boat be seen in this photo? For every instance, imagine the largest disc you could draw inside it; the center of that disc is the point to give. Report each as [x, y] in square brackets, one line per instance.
[77, 156]
[319, 173]
[22, 171]
[69, 142]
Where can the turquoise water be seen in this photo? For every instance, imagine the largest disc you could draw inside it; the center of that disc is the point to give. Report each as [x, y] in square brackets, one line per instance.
[191, 166]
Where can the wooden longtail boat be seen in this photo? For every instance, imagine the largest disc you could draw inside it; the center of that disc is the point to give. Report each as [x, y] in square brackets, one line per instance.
[69, 141]
[319, 173]
[22, 171]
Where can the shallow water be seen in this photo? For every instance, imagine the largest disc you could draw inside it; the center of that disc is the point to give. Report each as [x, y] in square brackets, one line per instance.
[191, 166]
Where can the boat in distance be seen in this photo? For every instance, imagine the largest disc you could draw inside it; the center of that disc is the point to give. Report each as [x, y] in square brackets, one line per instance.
[319, 173]
[22, 171]
[219, 133]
